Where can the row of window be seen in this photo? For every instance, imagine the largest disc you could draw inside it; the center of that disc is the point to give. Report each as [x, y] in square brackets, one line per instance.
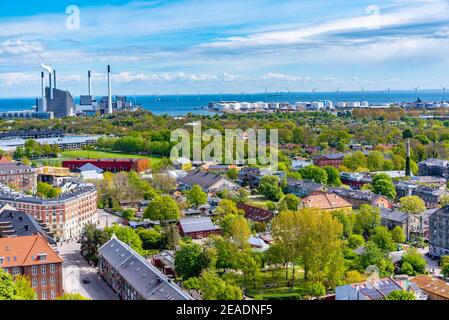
[52, 294]
[34, 281]
[43, 269]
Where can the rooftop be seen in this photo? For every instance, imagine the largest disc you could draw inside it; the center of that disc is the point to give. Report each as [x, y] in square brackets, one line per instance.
[190, 225]
[26, 251]
[145, 278]
[255, 213]
[432, 285]
[325, 201]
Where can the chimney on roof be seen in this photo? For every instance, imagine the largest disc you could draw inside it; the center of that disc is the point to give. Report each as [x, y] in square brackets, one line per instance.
[26, 227]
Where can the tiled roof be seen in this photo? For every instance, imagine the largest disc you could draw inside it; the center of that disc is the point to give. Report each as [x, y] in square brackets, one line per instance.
[256, 214]
[356, 194]
[331, 156]
[325, 201]
[190, 225]
[393, 215]
[204, 179]
[14, 167]
[27, 251]
[432, 285]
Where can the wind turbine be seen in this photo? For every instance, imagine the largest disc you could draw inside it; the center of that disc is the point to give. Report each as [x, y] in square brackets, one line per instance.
[444, 93]
[288, 90]
[389, 94]
[416, 93]
[338, 95]
[266, 95]
[313, 93]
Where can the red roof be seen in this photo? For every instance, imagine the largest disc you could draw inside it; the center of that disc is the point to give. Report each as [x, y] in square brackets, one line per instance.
[256, 214]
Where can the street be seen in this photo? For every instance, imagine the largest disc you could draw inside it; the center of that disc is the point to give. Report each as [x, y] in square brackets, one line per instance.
[76, 268]
[432, 265]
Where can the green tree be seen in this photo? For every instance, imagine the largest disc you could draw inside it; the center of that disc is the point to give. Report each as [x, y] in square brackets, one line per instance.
[367, 218]
[269, 187]
[91, 240]
[383, 185]
[72, 296]
[190, 260]
[412, 205]
[289, 202]
[226, 207]
[398, 234]
[374, 256]
[333, 176]
[127, 235]
[355, 241]
[375, 161]
[346, 220]
[47, 191]
[400, 295]
[407, 134]
[314, 173]
[232, 174]
[355, 160]
[382, 237]
[214, 288]
[24, 289]
[416, 260]
[196, 196]
[170, 237]
[240, 231]
[445, 270]
[128, 215]
[163, 209]
[151, 238]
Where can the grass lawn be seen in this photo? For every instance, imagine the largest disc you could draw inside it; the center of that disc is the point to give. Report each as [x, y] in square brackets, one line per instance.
[258, 202]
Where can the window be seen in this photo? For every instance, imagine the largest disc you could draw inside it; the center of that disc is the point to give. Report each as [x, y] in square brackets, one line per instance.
[52, 268]
[44, 281]
[34, 270]
[53, 294]
[44, 295]
[52, 280]
[43, 269]
[34, 282]
[15, 271]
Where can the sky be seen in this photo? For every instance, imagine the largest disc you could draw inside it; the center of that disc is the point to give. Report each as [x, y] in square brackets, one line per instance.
[233, 46]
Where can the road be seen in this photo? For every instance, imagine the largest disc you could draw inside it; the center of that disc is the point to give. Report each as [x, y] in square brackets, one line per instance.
[106, 219]
[76, 268]
[432, 265]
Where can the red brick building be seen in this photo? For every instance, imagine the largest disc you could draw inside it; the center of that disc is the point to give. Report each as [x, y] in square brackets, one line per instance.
[34, 258]
[197, 228]
[334, 160]
[111, 165]
[18, 176]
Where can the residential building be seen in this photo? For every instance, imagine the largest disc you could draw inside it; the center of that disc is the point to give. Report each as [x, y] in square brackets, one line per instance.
[209, 182]
[332, 159]
[198, 228]
[65, 143]
[355, 180]
[18, 176]
[431, 195]
[65, 215]
[32, 134]
[33, 257]
[303, 188]
[436, 289]
[256, 214]
[439, 232]
[434, 167]
[375, 290]
[111, 165]
[165, 261]
[134, 278]
[326, 202]
[357, 198]
[14, 223]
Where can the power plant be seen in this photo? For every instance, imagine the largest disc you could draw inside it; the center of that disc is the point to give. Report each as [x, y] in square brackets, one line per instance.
[60, 103]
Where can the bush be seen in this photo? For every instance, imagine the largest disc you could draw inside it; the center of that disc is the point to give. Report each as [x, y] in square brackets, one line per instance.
[314, 289]
[279, 296]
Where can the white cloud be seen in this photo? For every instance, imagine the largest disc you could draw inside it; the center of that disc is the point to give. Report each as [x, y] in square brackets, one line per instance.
[18, 47]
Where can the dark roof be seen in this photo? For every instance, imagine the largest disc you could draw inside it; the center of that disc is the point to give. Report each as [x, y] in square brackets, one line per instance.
[145, 278]
[18, 134]
[204, 179]
[304, 184]
[367, 195]
[393, 215]
[190, 225]
[16, 223]
[14, 167]
[256, 214]
[330, 156]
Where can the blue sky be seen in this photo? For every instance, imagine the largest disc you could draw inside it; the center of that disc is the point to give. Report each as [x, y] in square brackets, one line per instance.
[234, 46]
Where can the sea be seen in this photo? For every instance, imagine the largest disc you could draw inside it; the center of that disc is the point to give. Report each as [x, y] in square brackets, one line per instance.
[181, 105]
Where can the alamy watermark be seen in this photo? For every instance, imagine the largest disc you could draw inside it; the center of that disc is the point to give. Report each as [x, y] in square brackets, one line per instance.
[236, 146]
[73, 20]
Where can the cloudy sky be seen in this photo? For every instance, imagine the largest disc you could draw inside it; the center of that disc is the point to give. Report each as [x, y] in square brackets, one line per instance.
[186, 46]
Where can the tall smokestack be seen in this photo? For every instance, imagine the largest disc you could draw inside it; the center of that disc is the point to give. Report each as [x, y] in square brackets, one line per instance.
[54, 79]
[51, 89]
[89, 83]
[44, 100]
[109, 91]
[408, 172]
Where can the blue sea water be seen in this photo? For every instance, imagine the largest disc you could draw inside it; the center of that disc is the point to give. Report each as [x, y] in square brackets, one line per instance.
[183, 104]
